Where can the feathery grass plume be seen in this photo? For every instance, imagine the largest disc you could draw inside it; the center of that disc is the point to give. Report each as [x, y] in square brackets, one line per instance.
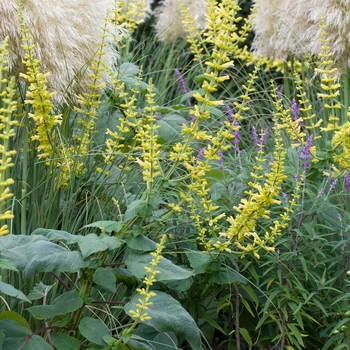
[169, 26]
[8, 108]
[279, 27]
[66, 35]
[335, 16]
[285, 28]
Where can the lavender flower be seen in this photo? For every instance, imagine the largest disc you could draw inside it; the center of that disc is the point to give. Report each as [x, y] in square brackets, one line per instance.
[230, 114]
[200, 154]
[347, 182]
[259, 142]
[221, 160]
[285, 197]
[236, 133]
[181, 81]
[320, 194]
[256, 138]
[305, 154]
[295, 109]
[331, 188]
[264, 136]
[236, 140]
[280, 92]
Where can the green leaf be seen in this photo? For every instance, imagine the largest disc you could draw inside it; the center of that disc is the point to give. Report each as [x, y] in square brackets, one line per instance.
[148, 338]
[136, 263]
[127, 69]
[245, 334]
[92, 243]
[170, 127]
[56, 235]
[63, 341]
[107, 226]
[10, 290]
[125, 276]
[104, 277]
[39, 291]
[17, 335]
[212, 322]
[295, 332]
[14, 316]
[141, 242]
[227, 276]
[93, 330]
[62, 305]
[34, 254]
[7, 264]
[199, 261]
[168, 315]
[137, 208]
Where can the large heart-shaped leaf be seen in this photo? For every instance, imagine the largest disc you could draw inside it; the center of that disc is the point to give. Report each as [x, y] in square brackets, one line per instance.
[136, 263]
[168, 315]
[64, 304]
[36, 254]
[92, 243]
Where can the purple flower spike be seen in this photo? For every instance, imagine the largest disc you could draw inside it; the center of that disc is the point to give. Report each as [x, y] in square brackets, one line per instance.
[200, 154]
[236, 140]
[347, 182]
[221, 160]
[295, 109]
[181, 81]
[264, 136]
[256, 138]
[280, 92]
[221, 156]
[230, 114]
[305, 154]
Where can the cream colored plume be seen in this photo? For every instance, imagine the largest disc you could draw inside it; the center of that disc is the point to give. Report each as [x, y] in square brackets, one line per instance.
[284, 28]
[66, 35]
[169, 25]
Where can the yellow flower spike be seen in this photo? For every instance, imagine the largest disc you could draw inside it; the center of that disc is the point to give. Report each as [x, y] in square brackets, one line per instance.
[139, 315]
[8, 107]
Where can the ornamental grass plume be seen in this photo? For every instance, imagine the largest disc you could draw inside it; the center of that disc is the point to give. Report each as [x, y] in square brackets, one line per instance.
[66, 34]
[283, 28]
[169, 26]
[278, 27]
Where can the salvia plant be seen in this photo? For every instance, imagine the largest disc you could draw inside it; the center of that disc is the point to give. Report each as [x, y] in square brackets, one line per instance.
[164, 187]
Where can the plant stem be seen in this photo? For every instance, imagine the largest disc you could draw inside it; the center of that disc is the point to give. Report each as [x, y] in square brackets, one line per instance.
[24, 178]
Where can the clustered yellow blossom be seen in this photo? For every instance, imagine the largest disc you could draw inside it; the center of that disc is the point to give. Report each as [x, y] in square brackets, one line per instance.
[260, 198]
[147, 137]
[306, 109]
[341, 146]
[116, 142]
[193, 30]
[129, 14]
[38, 96]
[329, 84]
[8, 108]
[140, 314]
